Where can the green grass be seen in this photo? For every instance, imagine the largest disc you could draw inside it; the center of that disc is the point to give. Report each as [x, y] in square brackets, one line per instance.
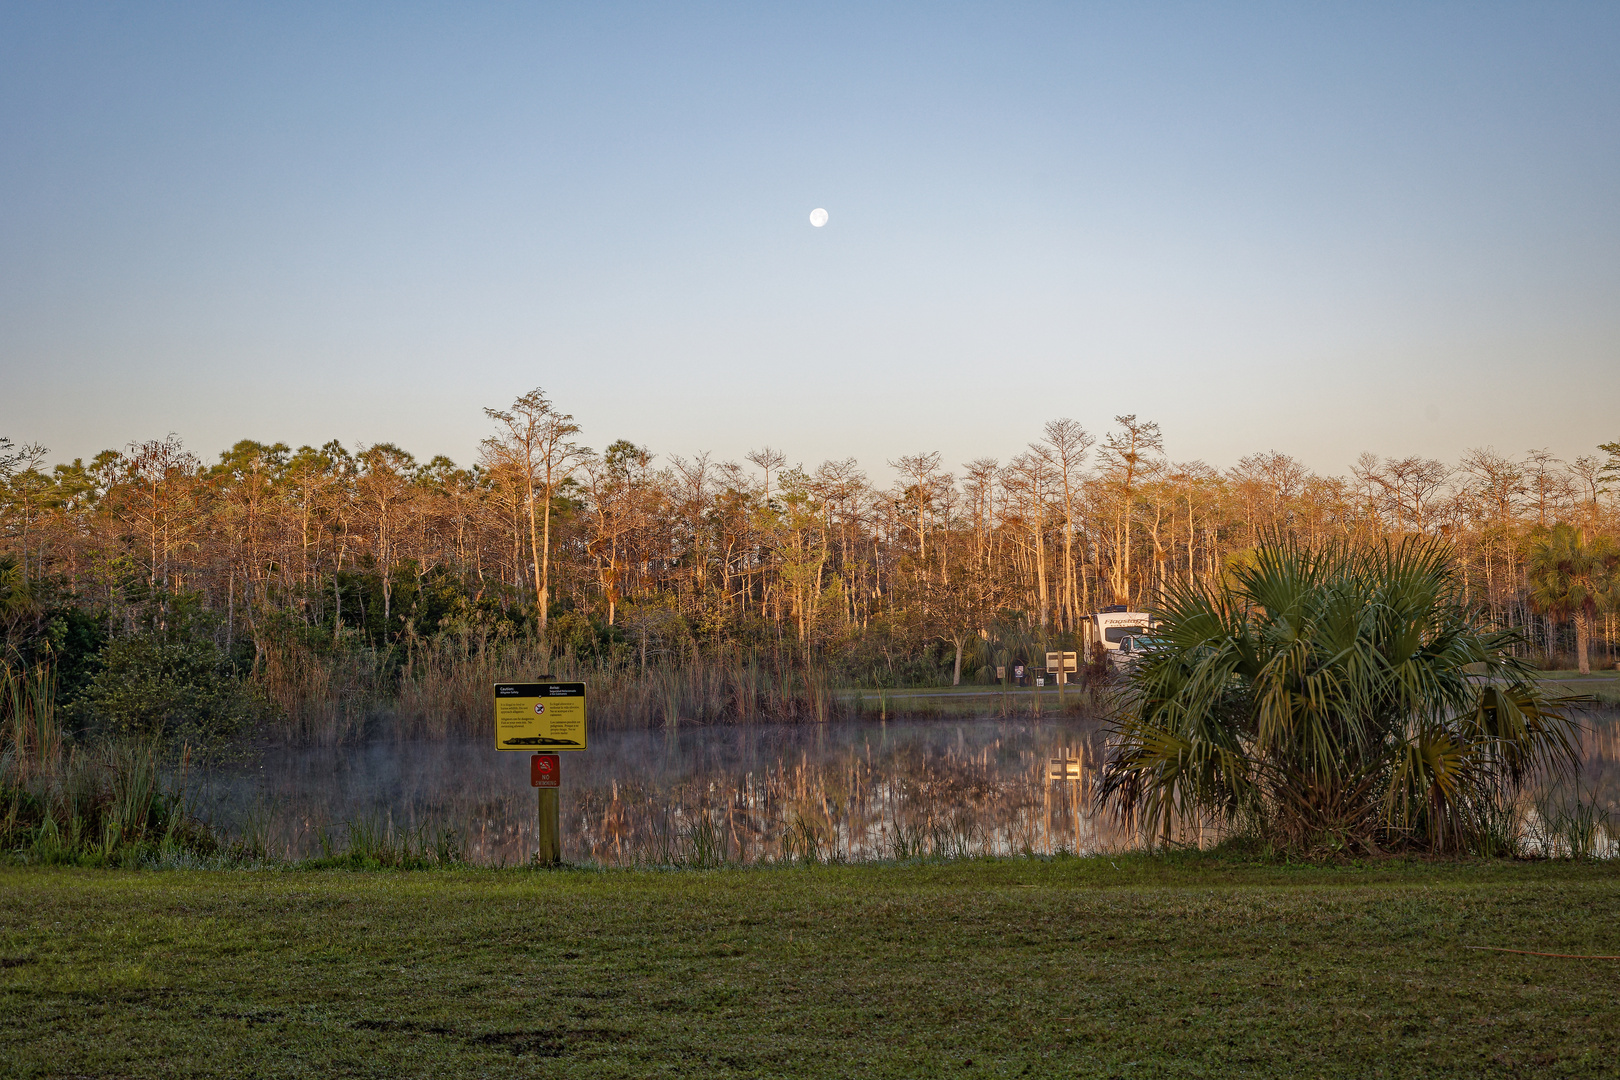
[974, 701]
[1599, 674]
[986, 700]
[1603, 683]
[1127, 967]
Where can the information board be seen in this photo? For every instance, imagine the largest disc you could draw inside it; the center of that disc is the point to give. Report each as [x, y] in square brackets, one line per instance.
[548, 717]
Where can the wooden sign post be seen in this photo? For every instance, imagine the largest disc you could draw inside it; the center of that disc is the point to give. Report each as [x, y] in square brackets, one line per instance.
[1061, 663]
[545, 773]
[546, 717]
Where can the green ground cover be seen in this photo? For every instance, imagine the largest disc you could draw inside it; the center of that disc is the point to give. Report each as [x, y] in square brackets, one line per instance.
[1125, 966]
[1601, 684]
[979, 699]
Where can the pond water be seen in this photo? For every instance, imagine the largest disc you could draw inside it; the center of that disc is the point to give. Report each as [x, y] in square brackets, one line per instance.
[746, 793]
[709, 795]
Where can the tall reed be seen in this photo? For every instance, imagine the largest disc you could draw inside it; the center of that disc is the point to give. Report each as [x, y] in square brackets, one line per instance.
[1572, 826]
[63, 802]
[441, 688]
[108, 803]
[324, 698]
[28, 714]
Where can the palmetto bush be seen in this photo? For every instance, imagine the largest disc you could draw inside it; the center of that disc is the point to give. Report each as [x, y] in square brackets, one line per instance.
[1334, 699]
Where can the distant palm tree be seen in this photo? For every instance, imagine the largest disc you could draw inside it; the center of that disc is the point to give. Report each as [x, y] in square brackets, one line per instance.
[16, 601]
[1570, 578]
[1333, 698]
[14, 595]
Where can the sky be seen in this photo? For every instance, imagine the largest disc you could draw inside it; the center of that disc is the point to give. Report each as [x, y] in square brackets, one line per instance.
[1321, 229]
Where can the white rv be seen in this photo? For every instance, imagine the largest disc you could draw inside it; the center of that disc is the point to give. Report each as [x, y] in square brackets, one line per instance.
[1116, 629]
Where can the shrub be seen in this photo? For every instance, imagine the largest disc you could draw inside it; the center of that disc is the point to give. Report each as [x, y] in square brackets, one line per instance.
[1334, 699]
[170, 691]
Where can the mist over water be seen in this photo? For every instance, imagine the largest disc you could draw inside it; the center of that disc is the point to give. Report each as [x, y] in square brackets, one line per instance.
[706, 795]
[743, 793]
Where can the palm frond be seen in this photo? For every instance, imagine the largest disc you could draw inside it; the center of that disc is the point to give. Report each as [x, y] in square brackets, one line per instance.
[1333, 691]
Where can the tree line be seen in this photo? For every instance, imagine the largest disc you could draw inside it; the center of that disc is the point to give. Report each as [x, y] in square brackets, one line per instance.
[635, 558]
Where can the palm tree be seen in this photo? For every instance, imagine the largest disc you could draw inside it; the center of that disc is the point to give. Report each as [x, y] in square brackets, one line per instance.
[14, 594]
[1333, 697]
[16, 602]
[1569, 578]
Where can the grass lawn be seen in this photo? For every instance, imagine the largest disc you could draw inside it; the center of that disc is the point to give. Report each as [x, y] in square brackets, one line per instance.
[974, 701]
[1073, 967]
[1602, 683]
[979, 699]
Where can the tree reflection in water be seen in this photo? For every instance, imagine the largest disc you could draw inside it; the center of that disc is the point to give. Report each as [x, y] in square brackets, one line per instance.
[718, 795]
[697, 796]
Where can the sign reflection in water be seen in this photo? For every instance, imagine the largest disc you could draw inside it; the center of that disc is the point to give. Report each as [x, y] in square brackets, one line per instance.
[699, 795]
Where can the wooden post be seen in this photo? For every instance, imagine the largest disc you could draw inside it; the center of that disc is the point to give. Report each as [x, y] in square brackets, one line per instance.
[545, 772]
[549, 849]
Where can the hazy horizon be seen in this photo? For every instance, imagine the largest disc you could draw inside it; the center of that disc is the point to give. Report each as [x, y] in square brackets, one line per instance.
[1320, 231]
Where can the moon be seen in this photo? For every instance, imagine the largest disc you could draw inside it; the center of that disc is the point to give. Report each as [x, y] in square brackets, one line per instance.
[818, 217]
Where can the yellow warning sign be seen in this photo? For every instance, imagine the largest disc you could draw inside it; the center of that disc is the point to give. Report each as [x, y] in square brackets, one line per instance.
[540, 717]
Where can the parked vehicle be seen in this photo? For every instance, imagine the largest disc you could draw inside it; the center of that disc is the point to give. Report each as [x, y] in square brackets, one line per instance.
[1112, 628]
[1131, 648]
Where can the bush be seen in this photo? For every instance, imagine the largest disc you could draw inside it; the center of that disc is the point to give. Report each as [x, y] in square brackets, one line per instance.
[168, 691]
[1335, 700]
